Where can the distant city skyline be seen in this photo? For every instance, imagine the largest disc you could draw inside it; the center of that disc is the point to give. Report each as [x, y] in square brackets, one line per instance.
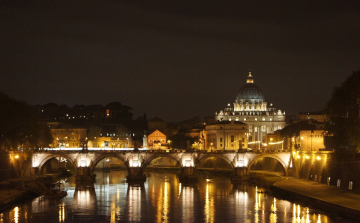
[177, 60]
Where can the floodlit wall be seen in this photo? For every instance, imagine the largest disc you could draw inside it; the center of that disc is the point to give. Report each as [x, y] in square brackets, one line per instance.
[321, 166]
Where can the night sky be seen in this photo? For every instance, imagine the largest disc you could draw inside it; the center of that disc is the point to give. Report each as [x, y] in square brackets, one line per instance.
[177, 59]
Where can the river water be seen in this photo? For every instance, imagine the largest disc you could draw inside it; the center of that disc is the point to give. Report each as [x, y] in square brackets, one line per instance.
[162, 198]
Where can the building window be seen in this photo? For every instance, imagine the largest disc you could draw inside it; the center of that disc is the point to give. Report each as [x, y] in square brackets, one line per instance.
[244, 119]
[255, 119]
[263, 118]
[263, 128]
[232, 138]
[220, 145]
[220, 139]
[250, 128]
[256, 129]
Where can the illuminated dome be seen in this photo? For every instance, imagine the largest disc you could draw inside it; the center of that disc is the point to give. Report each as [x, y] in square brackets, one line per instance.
[250, 92]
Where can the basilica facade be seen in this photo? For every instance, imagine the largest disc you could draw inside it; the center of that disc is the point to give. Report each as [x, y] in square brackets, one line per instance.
[251, 108]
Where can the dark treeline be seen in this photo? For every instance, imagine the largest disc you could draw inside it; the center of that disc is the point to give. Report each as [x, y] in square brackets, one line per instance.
[19, 126]
[343, 112]
[23, 126]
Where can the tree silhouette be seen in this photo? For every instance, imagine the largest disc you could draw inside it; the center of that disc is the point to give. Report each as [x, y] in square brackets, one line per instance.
[343, 112]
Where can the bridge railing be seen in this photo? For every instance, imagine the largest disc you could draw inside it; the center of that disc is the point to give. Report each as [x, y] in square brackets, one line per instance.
[146, 150]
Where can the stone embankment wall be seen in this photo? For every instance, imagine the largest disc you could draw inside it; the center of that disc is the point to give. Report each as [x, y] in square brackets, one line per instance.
[321, 166]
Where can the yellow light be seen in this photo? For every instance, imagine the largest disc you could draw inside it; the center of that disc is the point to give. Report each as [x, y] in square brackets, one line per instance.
[318, 158]
[16, 156]
[298, 157]
[307, 157]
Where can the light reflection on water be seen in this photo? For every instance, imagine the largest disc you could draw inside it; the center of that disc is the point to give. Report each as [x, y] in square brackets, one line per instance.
[162, 199]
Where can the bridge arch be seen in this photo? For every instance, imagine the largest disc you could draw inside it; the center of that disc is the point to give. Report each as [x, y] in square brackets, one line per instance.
[107, 155]
[283, 164]
[49, 157]
[160, 155]
[230, 162]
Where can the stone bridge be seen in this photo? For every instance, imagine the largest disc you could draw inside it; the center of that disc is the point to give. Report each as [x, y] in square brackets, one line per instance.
[136, 161]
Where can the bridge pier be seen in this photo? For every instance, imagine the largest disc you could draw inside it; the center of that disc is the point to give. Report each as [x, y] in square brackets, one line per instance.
[188, 174]
[84, 174]
[136, 174]
[240, 174]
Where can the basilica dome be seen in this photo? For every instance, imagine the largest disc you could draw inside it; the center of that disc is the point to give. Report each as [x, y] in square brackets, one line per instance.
[250, 92]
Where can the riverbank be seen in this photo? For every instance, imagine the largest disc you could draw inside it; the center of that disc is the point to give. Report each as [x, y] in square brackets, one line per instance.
[18, 190]
[334, 200]
[9, 197]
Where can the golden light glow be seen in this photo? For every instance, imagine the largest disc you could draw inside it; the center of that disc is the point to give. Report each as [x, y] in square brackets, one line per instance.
[16, 214]
[209, 209]
[273, 216]
[16, 156]
[135, 204]
[273, 143]
[318, 158]
[254, 142]
[61, 213]
[187, 204]
[319, 219]
[257, 205]
[112, 212]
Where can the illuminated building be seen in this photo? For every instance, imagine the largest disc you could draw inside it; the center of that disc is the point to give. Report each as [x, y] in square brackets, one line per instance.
[112, 136]
[251, 108]
[68, 137]
[110, 142]
[225, 135]
[312, 140]
[157, 140]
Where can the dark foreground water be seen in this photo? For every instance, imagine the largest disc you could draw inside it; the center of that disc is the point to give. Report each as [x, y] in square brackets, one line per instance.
[163, 199]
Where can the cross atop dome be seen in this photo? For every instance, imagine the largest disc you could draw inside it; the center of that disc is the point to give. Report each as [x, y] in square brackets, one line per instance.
[250, 78]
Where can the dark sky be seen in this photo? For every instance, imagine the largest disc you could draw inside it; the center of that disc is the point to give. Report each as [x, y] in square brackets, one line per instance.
[177, 59]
